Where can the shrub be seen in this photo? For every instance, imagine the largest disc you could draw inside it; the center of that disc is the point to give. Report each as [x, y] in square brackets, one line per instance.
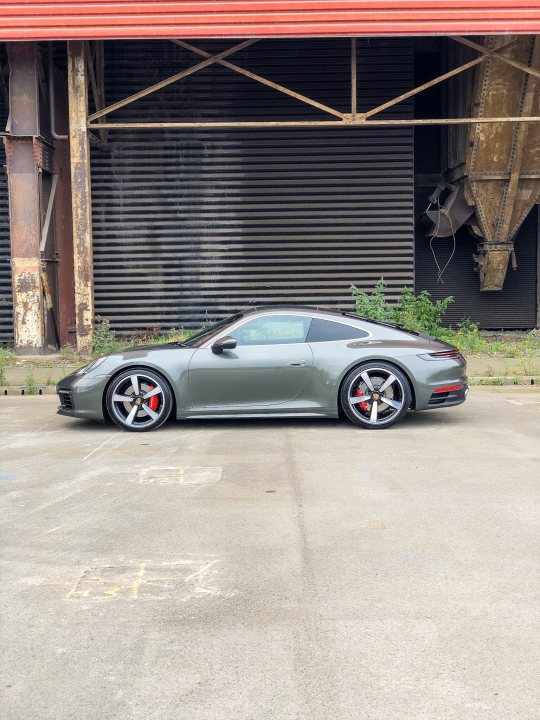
[413, 312]
[104, 339]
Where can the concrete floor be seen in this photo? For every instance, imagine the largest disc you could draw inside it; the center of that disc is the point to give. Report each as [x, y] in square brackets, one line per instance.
[272, 569]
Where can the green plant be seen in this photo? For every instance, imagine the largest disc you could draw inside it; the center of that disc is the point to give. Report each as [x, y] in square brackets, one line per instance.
[414, 312]
[7, 359]
[467, 337]
[31, 384]
[69, 353]
[104, 339]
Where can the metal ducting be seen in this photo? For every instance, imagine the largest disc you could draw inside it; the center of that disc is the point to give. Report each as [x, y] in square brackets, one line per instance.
[190, 225]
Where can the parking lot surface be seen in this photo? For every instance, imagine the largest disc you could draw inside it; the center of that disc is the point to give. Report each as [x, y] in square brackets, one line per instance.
[253, 570]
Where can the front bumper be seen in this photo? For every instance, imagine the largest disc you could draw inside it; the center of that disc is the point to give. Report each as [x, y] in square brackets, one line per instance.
[82, 396]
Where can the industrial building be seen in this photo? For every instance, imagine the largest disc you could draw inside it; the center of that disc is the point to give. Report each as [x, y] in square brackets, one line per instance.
[165, 164]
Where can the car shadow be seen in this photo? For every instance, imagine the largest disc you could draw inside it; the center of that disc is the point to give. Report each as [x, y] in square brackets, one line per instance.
[427, 419]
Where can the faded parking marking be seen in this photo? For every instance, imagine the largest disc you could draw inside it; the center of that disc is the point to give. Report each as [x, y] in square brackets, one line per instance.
[146, 579]
[180, 475]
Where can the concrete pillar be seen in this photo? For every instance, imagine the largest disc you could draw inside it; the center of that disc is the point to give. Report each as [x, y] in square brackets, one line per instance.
[81, 195]
[24, 198]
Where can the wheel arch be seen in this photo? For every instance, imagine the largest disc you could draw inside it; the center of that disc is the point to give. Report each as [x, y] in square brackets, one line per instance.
[397, 365]
[137, 366]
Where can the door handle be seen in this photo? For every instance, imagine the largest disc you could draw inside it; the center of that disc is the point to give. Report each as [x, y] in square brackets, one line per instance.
[297, 363]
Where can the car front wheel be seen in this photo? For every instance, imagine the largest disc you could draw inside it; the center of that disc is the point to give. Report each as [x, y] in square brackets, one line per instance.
[375, 395]
[139, 400]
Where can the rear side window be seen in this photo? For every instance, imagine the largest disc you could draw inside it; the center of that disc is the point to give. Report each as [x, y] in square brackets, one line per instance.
[326, 330]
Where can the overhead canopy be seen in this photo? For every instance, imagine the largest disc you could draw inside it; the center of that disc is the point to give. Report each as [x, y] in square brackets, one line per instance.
[95, 19]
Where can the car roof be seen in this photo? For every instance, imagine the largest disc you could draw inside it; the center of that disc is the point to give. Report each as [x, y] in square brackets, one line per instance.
[308, 309]
[295, 308]
[323, 313]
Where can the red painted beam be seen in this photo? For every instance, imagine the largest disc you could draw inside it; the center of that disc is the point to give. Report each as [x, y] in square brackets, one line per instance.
[43, 19]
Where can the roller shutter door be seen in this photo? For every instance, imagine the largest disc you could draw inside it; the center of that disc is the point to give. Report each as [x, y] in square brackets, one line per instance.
[191, 225]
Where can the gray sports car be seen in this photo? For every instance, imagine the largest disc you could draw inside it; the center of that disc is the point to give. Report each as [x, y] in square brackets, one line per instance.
[278, 361]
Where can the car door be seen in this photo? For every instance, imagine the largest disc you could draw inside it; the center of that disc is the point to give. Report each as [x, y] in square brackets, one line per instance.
[269, 366]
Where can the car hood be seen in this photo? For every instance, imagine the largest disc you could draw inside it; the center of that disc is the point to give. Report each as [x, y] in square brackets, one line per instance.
[156, 346]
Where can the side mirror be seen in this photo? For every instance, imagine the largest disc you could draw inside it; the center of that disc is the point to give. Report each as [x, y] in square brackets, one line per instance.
[225, 343]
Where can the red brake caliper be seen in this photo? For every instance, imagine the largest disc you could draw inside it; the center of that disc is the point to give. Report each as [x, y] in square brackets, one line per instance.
[364, 404]
[153, 402]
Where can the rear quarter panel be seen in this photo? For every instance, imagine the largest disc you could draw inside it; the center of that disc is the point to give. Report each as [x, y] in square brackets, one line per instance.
[333, 360]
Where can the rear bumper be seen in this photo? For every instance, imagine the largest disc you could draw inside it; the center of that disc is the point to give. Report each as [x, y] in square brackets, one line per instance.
[448, 398]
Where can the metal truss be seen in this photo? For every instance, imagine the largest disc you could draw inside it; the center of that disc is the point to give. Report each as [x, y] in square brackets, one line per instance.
[98, 120]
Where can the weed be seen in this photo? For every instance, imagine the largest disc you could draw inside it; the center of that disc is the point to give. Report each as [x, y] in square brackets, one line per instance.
[7, 359]
[104, 339]
[69, 354]
[414, 312]
[31, 388]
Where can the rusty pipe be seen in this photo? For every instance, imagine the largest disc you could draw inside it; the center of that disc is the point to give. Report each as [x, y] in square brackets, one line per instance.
[52, 105]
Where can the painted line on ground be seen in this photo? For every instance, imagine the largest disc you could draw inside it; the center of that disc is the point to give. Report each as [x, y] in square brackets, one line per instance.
[100, 446]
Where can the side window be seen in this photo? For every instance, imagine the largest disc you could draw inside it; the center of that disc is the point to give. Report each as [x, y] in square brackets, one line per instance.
[326, 330]
[273, 330]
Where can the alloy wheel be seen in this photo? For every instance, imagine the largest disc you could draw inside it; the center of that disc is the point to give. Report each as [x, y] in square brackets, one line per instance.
[376, 396]
[138, 401]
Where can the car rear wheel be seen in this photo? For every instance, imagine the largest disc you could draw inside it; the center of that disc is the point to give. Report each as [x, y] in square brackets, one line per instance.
[139, 400]
[375, 395]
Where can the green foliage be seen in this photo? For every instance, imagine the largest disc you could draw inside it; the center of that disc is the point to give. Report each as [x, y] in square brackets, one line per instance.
[7, 358]
[31, 383]
[413, 312]
[104, 338]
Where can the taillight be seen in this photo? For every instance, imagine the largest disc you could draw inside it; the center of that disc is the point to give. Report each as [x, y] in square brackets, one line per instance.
[443, 355]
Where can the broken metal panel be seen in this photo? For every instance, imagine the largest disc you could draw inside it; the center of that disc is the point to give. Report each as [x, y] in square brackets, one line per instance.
[81, 195]
[499, 154]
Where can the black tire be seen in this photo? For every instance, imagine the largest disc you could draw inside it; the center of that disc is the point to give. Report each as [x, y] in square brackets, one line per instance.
[390, 394]
[138, 413]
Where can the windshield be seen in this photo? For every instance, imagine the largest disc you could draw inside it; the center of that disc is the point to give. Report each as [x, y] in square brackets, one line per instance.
[206, 333]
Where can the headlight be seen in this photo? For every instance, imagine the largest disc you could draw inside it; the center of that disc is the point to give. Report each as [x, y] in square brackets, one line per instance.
[92, 366]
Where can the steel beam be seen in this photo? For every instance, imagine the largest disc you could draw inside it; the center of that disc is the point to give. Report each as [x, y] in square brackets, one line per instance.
[348, 122]
[174, 78]
[258, 78]
[24, 199]
[81, 195]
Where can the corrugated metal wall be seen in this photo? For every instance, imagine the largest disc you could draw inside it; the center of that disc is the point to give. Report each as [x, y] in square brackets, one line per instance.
[514, 307]
[6, 321]
[42, 19]
[191, 225]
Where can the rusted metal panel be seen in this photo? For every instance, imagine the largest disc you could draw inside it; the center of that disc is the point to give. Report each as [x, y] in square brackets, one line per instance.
[500, 154]
[24, 199]
[62, 212]
[191, 225]
[6, 294]
[42, 19]
[81, 195]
